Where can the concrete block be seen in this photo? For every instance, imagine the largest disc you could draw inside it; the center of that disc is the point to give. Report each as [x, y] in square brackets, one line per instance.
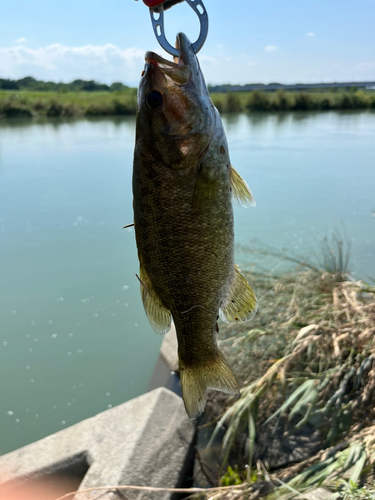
[168, 350]
[144, 442]
[165, 373]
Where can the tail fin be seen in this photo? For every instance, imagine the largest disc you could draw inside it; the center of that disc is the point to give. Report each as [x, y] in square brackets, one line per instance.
[196, 379]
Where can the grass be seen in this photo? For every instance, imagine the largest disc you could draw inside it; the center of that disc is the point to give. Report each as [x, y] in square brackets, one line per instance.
[306, 367]
[293, 101]
[79, 104]
[69, 104]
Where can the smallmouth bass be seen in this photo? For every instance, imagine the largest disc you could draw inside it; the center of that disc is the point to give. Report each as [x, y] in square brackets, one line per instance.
[183, 187]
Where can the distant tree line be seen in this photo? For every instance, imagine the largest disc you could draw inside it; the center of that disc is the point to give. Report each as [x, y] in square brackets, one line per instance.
[298, 87]
[31, 84]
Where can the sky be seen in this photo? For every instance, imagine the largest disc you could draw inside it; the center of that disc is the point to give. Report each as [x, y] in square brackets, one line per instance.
[289, 41]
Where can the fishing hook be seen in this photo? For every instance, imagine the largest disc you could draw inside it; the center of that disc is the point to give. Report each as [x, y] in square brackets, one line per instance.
[157, 19]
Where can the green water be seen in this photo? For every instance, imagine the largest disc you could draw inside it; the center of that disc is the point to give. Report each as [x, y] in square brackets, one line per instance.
[311, 173]
[74, 339]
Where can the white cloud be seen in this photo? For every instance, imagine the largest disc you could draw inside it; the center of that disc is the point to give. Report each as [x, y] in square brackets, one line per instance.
[366, 66]
[20, 40]
[207, 59]
[310, 33]
[271, 48]
[60, 62]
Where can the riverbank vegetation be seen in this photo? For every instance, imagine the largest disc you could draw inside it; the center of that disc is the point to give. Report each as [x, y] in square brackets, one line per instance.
[80, 103]
[305, 418]
[293, 101]
[67, 104]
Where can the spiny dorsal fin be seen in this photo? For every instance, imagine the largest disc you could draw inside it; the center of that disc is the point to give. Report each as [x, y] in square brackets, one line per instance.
[159, 317]
[241, 303]
[196, 379]
[241, 194]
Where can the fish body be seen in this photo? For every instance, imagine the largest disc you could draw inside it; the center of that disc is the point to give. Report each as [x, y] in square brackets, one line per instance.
[183, 186]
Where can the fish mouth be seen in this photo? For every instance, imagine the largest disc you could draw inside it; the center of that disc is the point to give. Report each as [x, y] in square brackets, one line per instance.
[177, 70]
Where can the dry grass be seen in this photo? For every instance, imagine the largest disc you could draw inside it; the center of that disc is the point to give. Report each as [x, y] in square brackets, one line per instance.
[306, 365]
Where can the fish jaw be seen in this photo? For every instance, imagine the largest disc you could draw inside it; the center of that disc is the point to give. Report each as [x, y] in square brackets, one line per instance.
[175, 113]
[189, 58]
[185, 69]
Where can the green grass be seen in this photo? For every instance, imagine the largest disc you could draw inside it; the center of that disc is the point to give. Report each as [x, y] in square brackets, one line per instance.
[292, 101]
[79, 104]
[68, 104]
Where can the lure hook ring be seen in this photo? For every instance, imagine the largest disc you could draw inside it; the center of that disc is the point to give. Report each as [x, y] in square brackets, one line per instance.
[157, 19]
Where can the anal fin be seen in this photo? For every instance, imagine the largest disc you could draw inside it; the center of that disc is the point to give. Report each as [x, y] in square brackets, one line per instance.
[159, 317]
[241, 303]
[241, 194]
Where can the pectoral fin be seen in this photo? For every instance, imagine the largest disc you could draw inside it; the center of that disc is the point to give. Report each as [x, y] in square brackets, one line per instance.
[241, 303]
[241, 194]
[159, 317]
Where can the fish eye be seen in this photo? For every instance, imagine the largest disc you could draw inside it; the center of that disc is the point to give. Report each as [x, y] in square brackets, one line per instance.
[154, 99]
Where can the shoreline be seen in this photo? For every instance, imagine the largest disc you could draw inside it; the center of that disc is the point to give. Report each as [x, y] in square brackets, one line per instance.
[23, 104]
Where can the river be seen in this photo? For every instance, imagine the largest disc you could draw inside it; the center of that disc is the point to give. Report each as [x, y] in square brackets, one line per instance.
[74, 339]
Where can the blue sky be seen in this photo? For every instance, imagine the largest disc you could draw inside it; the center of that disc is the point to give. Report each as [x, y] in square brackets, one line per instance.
[249, 41]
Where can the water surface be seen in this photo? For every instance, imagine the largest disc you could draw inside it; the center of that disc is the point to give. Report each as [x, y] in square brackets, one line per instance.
[74, 339]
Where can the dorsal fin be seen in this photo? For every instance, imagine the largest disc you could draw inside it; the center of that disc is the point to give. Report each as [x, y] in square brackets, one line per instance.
[241, 194]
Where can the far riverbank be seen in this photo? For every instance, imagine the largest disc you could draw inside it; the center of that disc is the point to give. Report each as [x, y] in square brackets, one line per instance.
[26, 104]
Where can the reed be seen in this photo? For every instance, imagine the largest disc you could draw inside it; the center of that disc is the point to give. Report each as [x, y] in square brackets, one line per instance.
[293, 101]
[307, 365]
[67, 104]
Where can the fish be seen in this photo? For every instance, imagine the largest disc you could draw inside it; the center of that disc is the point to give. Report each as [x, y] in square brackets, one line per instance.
[183, 188]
